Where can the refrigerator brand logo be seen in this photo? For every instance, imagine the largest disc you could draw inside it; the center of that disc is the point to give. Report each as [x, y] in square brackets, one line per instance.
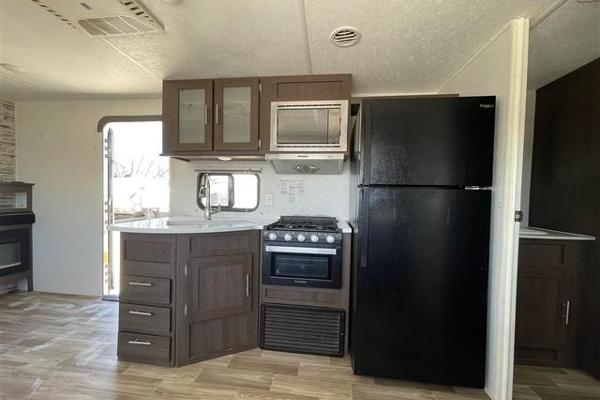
[486, 105]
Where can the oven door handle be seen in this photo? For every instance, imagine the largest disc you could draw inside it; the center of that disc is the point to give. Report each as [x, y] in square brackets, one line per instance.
[300, 250]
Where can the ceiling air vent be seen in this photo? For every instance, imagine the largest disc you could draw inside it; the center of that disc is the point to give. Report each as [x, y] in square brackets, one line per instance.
[345, 36]
[140, 20]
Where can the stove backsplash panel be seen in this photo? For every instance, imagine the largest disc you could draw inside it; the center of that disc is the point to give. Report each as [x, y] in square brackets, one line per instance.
[292, 194]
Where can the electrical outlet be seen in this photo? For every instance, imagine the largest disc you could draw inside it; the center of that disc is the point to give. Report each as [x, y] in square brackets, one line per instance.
[269, 199]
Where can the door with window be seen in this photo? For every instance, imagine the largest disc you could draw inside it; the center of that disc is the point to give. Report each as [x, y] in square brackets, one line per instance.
[136, 186]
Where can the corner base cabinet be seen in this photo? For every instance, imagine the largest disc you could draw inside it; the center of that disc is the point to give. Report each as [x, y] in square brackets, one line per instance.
[188, 298]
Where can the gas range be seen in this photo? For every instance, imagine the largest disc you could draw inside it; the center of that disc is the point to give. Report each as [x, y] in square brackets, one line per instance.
[304, 229]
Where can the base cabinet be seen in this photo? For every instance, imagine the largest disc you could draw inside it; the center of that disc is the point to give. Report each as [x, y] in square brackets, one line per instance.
[549, 303]
[205, 305]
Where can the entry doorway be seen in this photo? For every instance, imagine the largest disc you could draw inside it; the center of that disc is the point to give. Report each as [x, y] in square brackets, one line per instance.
[136, 186]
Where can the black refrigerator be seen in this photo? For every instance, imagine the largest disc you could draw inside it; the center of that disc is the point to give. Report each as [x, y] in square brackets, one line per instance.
[422, 170]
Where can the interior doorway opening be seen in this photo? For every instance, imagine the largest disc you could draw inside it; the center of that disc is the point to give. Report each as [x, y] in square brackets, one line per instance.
[136, 186]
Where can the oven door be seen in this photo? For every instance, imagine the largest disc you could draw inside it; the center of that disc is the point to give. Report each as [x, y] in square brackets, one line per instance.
[14, 251]
[301, 264]
[309, 126]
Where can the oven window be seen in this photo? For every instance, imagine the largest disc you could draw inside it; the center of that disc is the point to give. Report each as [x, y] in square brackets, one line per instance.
[10, 255]
[308, 126]
[304, 266]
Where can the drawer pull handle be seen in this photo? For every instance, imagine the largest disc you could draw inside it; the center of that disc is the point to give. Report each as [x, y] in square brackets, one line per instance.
[140, 342]
[145, 284]
[143, 313]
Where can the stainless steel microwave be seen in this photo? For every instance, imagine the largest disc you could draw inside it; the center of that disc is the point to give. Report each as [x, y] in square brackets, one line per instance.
[309, 126]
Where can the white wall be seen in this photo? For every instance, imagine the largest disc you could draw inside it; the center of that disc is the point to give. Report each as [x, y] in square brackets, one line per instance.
[292, 194]
[60, 151]
[500, 69]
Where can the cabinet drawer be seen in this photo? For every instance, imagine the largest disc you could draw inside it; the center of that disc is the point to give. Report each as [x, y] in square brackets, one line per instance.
[142, 289]
[154, 270]
[134, 317]
[144, 348]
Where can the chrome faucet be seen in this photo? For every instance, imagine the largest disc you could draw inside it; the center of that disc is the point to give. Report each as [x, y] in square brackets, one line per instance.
[204, 193]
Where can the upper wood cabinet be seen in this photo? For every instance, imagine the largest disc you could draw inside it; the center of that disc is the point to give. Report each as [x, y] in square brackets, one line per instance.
[232, 116]
[299, 88]
[204, 116]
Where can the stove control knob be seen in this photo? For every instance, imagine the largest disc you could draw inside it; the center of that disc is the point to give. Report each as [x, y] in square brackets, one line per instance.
[287, 237]
[330, 239]
[301, 237]
[272, 236]
[314, 238]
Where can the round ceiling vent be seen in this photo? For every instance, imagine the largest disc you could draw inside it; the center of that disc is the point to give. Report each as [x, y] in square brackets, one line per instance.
[345, 36]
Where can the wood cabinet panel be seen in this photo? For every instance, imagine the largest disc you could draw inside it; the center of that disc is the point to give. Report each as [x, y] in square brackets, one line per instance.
[147, 248]
[145, 290]
[197, 132]
[138, 347]
[236, 114]
[550, 300]
[542, 296]
[220, 243]
[218, 295]
[135, 317]
[220, 286]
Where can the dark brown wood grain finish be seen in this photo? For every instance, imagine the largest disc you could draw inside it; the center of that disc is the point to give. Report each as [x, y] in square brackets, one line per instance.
[550, 285]
[140, 318]
[146, 308]
[565, 188]
[140, 347]
[145, 290]
[218, 295]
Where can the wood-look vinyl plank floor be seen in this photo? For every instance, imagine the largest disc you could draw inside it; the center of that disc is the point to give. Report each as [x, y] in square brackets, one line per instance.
[58, 347]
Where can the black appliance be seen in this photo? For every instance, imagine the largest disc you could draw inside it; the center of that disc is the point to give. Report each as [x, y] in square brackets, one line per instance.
[302, 329]
[421, 208]
[303, 251]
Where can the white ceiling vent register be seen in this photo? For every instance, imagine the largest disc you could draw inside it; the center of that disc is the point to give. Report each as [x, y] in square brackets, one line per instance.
[345, 36]
[138, 20]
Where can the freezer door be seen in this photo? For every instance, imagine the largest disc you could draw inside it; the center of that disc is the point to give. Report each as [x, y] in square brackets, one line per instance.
[428, 141]
[420, 295]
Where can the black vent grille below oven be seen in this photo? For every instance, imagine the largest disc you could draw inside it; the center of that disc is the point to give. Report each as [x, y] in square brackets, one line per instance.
[301, 329]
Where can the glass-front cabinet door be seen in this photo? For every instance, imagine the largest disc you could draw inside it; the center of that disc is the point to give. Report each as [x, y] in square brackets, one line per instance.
[188, 106]
[236, 114]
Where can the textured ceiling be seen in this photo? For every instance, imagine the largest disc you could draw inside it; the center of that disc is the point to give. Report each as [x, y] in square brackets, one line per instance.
[406, 45]
[564, 41]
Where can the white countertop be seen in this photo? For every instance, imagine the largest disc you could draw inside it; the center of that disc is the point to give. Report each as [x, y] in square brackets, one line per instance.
[185, 225]
[529, 232]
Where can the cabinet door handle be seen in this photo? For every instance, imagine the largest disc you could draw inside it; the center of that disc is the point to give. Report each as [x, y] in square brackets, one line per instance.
[142, 313]
[205, 114]
[567, 312]
[247, 285]
[140, 342]
[145, 284]
[217, 114]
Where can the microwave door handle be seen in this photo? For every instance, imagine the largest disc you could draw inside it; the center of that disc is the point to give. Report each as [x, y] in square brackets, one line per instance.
[300, 250]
